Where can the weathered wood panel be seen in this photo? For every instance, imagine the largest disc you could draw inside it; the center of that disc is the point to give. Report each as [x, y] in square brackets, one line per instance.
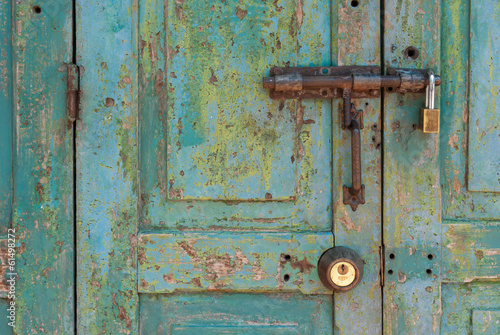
[485, 322]
[465, 305]
[227, 139]
[107, 167]
[43, 168]
[484, 88]
[225, 313]
[471, 251]
[458, 202]
[356, 40]
[412, 194]
[224, 261]
[6, 112]
[306, 27]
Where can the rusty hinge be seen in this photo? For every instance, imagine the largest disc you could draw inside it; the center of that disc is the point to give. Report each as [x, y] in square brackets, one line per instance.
[72, 92]
[381, 257]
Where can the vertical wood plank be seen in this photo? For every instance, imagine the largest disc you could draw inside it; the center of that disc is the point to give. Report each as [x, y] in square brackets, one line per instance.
[43, 171]
[107, 167]
[6, 95]
[412, 192]
[358, 43]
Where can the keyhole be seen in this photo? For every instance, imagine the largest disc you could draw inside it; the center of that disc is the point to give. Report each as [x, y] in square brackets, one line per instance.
[343, 269]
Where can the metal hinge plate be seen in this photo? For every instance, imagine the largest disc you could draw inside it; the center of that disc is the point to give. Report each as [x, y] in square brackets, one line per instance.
[381, 255]
[72, 92]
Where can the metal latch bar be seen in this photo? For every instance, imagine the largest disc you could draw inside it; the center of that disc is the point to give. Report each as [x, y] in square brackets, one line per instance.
[346, 82]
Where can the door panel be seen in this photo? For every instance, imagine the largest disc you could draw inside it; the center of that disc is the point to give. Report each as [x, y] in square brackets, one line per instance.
[223, 138]
[243, 262]
[281, 158]
[484, 115]
[217, 313]
[226, 139]
[459, 203]
[470, 308]
[223, 170]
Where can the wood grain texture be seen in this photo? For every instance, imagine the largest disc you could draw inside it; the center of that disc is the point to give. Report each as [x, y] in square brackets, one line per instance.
[471, 252]
[412, 194]
[484, 95]
[356, 41]
[107, 168]
[42, 170]
[6, 112]
[237, 313]
[275, 39]
[464, 306]
[458, 202]
[224, 261]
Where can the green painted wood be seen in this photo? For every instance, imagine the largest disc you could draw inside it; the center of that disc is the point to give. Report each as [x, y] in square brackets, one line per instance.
[308, 124]
[42, 168]
[6, 111]
[242, 262]
[485, 322]
[227, 139]
[356, 40]
[458, 202]
[217, 313]
[412, 206]
[484, 88]
[471, 252]
[107, 168]
[208, 131]
[431, 180]
[466, 305]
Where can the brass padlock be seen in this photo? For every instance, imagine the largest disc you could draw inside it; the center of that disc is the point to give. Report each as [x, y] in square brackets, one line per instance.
[429, 116]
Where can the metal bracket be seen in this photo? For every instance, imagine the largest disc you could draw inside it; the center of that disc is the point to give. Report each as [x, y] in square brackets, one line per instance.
[72, 91]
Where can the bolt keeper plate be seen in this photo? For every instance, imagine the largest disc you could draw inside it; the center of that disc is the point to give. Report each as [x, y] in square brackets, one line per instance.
[324, 93]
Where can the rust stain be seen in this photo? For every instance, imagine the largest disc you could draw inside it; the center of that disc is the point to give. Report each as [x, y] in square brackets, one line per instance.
[453, 141]
[213, 79]
[123, 316]
[240, 13]
[304, 266]
[479, 254]
[169, 278]
[188, 249]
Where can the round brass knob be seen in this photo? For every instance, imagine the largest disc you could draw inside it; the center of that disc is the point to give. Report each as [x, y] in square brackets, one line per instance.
[340, 268]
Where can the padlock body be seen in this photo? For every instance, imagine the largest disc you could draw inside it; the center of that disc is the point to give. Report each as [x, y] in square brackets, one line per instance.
[429, 120]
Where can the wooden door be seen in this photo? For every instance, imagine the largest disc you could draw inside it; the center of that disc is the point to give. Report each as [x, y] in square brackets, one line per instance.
[205, 205]
[441, 192]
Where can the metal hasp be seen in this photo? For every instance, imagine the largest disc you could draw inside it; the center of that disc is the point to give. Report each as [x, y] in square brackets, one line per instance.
[346, 82]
